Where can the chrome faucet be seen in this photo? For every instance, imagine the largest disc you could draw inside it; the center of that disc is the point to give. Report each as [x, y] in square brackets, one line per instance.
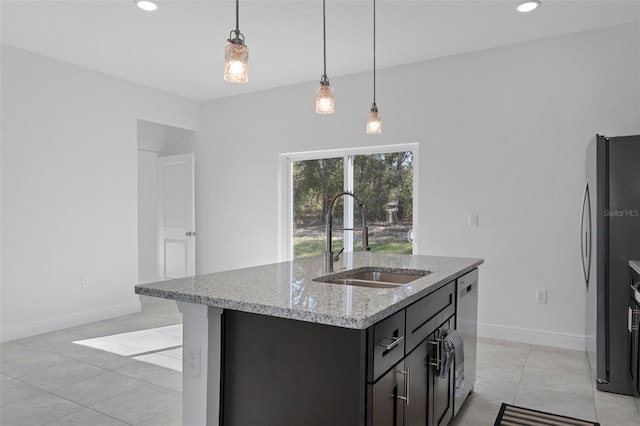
[328, 254]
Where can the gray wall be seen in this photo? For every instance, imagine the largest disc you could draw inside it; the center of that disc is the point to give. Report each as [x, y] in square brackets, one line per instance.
[502, 132]
[69, 194]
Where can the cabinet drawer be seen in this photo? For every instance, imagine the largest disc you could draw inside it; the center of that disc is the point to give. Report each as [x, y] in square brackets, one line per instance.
[425, 315]
[386, 345]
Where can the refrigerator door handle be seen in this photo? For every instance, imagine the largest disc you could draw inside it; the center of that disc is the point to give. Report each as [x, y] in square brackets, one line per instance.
[585, 235]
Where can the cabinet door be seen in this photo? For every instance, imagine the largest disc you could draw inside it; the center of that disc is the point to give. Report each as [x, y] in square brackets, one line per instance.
[634, 328]
[441, 389]
[417, 371]
[387, 404]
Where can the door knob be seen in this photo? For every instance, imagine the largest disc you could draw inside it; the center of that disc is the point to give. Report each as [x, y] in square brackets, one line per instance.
[190, 234]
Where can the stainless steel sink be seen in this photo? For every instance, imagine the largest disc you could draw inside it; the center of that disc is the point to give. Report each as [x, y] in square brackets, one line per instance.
[374, 277]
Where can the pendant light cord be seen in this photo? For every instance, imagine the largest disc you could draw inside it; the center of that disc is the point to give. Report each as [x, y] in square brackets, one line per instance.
[237, 17]
[324, 39]
[374, 52]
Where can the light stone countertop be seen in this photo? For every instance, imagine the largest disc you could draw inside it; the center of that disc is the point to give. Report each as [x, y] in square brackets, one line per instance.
[287, 289]
[635, 265]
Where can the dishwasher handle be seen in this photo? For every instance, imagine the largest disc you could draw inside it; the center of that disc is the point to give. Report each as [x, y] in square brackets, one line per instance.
[466, 289]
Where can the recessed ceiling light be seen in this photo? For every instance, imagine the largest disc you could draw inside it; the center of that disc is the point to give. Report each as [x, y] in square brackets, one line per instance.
[528, 6]
[147, 5]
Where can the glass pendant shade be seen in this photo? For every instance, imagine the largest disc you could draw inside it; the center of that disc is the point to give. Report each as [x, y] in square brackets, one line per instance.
[236, 62]
[324, 99]
[374, 122]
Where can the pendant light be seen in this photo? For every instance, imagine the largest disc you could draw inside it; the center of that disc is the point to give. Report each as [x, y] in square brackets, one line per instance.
[374, 122]
[324, 95]
[236, 55]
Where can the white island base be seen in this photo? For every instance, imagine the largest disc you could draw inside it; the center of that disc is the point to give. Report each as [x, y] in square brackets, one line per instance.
[202, 343]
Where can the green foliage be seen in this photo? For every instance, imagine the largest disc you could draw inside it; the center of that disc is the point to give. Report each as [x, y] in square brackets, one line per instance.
[310, 247]
[378, 179]
[383, 178]
[314, 181]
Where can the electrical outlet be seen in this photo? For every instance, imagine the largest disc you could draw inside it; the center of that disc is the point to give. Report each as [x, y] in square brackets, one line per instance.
[541, 296]
[84, 281]
[191, 361]
[474, 220]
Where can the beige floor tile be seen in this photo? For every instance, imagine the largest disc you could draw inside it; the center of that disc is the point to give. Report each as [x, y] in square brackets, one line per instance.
[8, 345]
[557, 381]
[493, 392]
[513, 354]
[617, 411]
[72, 350]
[99, 388]
[59, 376]
[25, 360]
[161, 360]
[171, 417]
[37, 411]
[48, 340]
[505, 345]
[14, 390]
[140, 404]
[541, 348]
[108, 361]
[476, 414]
[87, 417]
[142, 321]
[143, 371]
[562, 403]
[99, 329]
[501, 370]
[172, 381]
[613, 398]
[558, 361]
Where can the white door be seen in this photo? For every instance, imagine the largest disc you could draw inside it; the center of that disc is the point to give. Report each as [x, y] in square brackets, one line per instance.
[177, 257]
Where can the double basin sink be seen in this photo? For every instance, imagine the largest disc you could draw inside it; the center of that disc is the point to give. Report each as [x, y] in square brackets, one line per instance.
[374, 277]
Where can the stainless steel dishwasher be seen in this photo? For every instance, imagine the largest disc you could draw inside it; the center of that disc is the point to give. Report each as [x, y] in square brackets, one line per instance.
[467, 327]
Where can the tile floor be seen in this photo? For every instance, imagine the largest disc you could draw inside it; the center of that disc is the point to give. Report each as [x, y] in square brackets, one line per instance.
[115, 375]
[543, 378]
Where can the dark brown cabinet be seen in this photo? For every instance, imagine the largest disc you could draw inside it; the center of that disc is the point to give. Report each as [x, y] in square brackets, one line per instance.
[633, 326]
[441, 388]
[285, 372]
[412, 393]
[386, 398]
[417, 367]
[634, 337]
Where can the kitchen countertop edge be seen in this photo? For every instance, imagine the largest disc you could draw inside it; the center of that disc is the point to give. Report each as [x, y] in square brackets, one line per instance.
[162, 289]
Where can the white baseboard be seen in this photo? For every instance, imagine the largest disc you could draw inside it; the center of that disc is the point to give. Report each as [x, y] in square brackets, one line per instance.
[532, 336]
[58, 323]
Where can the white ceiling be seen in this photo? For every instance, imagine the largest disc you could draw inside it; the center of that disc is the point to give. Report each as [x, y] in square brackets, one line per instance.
[180, 47]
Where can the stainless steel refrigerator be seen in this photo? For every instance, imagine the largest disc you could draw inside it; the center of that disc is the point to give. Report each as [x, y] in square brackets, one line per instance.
[610, 237]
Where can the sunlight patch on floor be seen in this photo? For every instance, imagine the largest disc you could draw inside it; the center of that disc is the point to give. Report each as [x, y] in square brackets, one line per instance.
[160, 346]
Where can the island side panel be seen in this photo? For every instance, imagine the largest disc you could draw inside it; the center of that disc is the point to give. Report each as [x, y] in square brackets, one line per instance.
[286, 372]
[201, 354]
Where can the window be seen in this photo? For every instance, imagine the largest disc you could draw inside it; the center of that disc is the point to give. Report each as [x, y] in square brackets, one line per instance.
[382, 177]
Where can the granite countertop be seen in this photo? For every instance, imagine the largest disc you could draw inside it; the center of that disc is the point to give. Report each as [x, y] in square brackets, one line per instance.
[287, 289]
[635, 265]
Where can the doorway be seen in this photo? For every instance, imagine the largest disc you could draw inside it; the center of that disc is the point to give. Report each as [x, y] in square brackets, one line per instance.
[166, 229]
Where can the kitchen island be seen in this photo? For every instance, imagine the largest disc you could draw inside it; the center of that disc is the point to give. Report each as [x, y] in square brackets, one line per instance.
[244, 329]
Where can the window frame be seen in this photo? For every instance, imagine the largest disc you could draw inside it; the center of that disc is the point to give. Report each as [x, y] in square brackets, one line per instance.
[285, 189]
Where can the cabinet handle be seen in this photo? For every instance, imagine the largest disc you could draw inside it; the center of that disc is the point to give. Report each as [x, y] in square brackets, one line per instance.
[407, 385]
[395, 341]
[632, 313]
[438, 361]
